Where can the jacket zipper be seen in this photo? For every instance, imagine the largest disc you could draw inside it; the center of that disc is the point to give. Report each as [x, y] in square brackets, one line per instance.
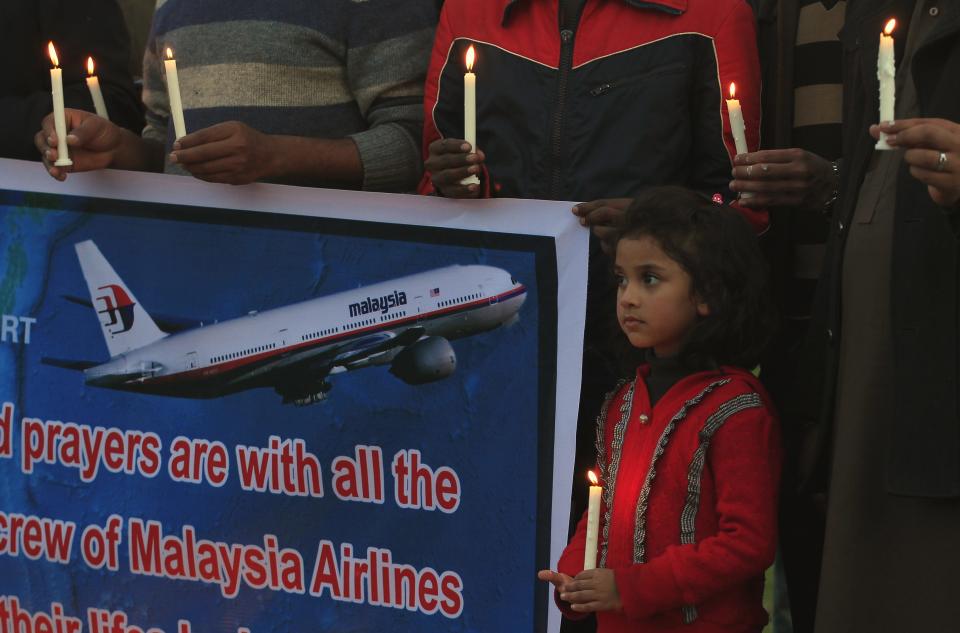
[567, 37]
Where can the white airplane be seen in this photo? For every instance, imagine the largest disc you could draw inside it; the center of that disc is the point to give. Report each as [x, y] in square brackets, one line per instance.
[405, 322]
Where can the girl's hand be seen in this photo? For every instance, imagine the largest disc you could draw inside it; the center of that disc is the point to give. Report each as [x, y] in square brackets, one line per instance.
[592, 590]
[933, 153]
[555, 578]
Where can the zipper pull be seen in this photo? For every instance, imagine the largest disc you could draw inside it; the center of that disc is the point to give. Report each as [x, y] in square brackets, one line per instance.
[601, 90]
[566, 36]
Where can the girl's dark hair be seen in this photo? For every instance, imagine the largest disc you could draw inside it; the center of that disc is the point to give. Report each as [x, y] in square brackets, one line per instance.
[716, 246]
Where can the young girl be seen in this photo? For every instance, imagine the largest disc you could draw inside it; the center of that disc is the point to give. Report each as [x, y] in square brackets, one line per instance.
[688, 451]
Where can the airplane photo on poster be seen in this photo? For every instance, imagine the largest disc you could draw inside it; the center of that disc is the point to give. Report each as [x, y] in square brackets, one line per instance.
[406, 323]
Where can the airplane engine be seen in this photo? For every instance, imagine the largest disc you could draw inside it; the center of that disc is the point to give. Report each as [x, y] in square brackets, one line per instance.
[427, 360]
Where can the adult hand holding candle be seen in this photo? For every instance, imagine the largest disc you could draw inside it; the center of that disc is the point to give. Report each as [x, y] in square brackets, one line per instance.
[56, 84]
[173, 91]
[887, 74]
[593, 523]
[93, 84]
[470, 110]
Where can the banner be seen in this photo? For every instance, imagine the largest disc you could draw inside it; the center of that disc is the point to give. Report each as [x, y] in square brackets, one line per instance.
[267, 408]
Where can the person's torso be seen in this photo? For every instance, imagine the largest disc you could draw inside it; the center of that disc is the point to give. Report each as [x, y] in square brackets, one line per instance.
[601, 111]
[279, 67]
[664, 493]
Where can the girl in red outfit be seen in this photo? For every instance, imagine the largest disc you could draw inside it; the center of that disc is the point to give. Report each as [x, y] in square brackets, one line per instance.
[688, 451]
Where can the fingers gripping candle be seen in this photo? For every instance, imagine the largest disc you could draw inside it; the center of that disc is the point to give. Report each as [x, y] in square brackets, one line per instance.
[470, 111]
[93, 83]
[887, 74]
[59, 117]
[173, 90]
[593, 523]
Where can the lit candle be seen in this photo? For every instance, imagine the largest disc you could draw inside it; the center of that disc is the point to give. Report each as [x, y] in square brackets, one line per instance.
[173, 91]
[737, 128]
[470, 111]
[94, 85]
[59, 118]
[593, 523]
[887, 74]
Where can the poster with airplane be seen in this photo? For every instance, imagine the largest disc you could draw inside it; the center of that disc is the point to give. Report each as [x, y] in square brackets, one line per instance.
[279, 409]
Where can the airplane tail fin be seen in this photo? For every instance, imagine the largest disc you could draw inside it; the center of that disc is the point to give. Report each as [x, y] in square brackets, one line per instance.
[125, 324]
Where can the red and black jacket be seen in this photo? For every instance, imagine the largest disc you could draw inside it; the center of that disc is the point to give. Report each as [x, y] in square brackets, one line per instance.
[634, 96]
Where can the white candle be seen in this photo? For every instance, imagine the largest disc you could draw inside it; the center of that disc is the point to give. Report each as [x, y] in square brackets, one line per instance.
[593, 524]
[737, 127]
[93, 83]
[173, 91]
[887, 74]
[59, 117]
[470, 111]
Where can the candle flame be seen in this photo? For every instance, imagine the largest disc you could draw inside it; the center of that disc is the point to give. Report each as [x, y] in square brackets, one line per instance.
[471, 57]
[90, 66]
[733, 90]
[169, 53]
[592, 476]
[888, 29]
[53, 55]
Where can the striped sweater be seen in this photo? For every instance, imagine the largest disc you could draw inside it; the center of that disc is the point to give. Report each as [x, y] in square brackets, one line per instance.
[321, 68]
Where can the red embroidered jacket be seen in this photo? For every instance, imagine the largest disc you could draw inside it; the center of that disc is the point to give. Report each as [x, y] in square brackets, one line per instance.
[688, 520]
[635, 96]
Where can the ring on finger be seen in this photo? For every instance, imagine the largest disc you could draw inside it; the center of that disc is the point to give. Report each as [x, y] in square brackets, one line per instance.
[942, 161]
[765, 168]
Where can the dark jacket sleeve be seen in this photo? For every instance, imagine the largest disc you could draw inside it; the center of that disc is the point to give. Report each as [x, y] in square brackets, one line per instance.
[737, 61]
[445, 38]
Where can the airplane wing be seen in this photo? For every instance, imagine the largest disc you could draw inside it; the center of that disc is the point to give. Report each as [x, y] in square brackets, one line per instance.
[75, 365]
[300, 375]
[374, 344]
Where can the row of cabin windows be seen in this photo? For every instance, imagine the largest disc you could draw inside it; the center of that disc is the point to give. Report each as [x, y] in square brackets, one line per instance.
[327, 332]
[242, 353]
[352, 326]
[450, 302]
[306, 337]
[364, 323]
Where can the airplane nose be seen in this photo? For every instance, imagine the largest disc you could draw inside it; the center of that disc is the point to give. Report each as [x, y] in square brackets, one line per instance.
[515, 303]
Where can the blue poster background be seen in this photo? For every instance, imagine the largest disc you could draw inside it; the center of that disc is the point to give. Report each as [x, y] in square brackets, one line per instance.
[487, 422]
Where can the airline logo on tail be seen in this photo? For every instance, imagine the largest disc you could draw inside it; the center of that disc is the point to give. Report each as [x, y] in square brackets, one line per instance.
[117, 303]
[124, 323]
